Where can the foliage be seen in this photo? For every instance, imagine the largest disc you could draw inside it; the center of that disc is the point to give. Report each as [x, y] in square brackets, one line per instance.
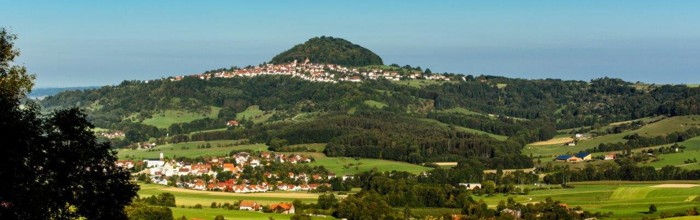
[52, 166]
[146, 212]
[329, 50]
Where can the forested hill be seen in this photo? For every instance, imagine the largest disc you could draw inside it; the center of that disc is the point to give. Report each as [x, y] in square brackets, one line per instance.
[409, 120]
[329, 50]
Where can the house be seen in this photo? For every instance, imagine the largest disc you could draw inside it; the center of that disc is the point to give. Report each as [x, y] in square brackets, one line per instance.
[284, 208]
[232, 123]
[584, 156]
[229, 167]
[471, 186]
[563, 157]
[610, 156]
[571, 144]
[249, 205]
[199, 185]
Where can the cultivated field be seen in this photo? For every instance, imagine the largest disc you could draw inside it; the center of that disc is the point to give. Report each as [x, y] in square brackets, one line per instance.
[347, 165]
[692, 151]
[627, 200]
[189, 198]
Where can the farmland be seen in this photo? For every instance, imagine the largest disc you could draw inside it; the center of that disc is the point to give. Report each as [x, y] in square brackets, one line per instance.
[185, 199]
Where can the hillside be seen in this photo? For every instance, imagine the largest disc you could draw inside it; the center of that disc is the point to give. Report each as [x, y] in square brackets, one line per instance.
[329, 50]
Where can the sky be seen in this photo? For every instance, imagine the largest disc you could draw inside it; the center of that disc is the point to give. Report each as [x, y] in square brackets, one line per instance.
[92, 43]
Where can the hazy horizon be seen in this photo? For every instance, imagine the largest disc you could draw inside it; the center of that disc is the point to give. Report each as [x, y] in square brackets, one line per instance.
[87, 43]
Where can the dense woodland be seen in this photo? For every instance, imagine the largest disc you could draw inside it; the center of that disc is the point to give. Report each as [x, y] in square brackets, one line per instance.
[329, 50]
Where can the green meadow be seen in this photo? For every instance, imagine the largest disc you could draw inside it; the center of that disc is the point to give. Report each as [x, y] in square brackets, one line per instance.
[663, 127]
[189, 149]
[465, 129]
[169, 117]
[185, 199]
[375, 104]
[627, 200]
[692, 151]
[347, 165]
[254, 113]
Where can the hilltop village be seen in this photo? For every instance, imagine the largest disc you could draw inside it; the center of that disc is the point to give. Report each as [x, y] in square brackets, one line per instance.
[317, 72]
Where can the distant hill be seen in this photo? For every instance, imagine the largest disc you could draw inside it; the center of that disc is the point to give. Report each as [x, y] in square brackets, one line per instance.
[43, 92]
[329, 50]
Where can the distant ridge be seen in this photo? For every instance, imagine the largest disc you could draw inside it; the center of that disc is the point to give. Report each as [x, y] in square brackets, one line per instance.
[43, 92]
[329, 50]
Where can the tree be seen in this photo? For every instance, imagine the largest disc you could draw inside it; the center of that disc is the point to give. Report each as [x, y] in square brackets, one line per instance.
[52, 167]
[219, 217]
[327, 201]
[145, 212]
[364, 205]
[489, 187]
[652, 208]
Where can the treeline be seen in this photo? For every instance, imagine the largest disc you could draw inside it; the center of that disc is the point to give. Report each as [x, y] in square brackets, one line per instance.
[637, 141]
[621, 170]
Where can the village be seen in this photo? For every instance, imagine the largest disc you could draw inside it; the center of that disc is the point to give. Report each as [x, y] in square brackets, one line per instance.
[315, 72]
[240, 173]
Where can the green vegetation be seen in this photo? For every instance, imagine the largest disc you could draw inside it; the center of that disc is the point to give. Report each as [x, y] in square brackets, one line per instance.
[169, 117]
[692, 151]
[418, 83]
[329, 50]
[660, 128]
[254, 113]
[190, 149]
[345, 165]
[375, 104]
[460, 110]
[468, 130]
[209, 213]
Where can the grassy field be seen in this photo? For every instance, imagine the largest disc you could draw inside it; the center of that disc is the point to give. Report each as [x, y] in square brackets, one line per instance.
[169, 117]
[375, 104]
[461, 111]
[693, 85]
[341, 165]
[627, 200]
[418, 83]
[469, 130]
[692, 151]
[189, 198]
[253, 112]
[663, 127]
[189, 149]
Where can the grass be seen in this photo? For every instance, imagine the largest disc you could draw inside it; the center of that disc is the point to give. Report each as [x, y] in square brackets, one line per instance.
[418, 83]
[627, 200]
[375, 104]
[461, 111]
[341, 165]
[692, 151]
[189, 149]
[663, 127]
[169, 117]
[693, 85]
[190, 198]
[253, 112]
[464, 129]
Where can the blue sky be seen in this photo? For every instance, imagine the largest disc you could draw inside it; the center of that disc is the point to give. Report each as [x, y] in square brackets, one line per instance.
[81, 43]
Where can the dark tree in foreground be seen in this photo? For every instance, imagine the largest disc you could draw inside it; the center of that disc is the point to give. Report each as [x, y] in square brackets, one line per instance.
[52, 167]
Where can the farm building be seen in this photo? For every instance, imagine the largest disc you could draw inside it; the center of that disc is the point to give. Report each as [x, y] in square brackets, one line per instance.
[584, 156]
[563, 157]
